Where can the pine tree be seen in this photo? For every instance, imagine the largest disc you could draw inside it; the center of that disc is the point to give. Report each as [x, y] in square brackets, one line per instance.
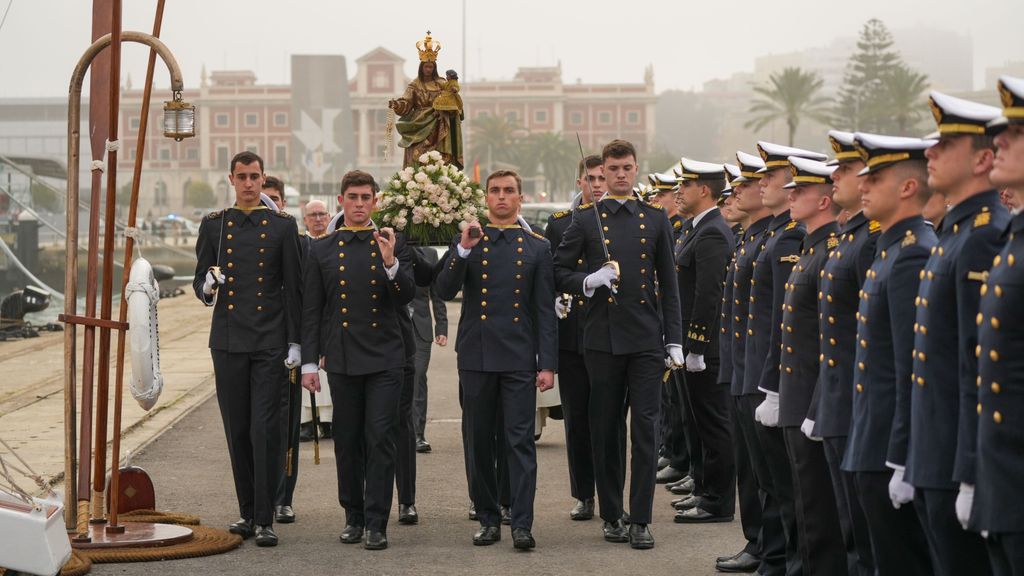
[861, 104]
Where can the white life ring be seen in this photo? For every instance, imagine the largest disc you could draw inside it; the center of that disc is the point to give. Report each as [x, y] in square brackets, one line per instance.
[143, 294]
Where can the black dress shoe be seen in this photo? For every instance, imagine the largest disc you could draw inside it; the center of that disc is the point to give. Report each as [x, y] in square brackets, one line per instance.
[669, 474]
[640, 537]
[265, 536]
[306, 432]
[683, 487]
[625, 518]
[284, 515]
[584, 510]
[742, 562]
[376, 540]
[472, 511]
[615, 532]
[663, 462]
[326, 432]
[686, 502]
[506, 515]
[721, 559]
[487, 535]
[522, 539]
[407, 514]
[351, 534]
[243, 528]
[698, 515]
[422, 446]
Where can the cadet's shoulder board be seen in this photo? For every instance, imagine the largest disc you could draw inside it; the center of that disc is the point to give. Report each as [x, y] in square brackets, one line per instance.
[214, 215]
[793, 258]
[833, 242]
[654, 205]
[792, 224]
[561, 214]
[282, 214]
[535, 235]
[909, 239]
[874, 226]
[982, 219]
[585, 206]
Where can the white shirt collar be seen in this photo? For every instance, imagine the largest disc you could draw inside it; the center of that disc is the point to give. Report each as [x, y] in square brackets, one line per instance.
[699, 217]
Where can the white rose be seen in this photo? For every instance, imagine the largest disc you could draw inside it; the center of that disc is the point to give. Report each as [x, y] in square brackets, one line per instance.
[424, 202]
[421, 177]
[404, 176]
[399, 199]
[410, 185]
[424, 158]
[434, 155]
[448, 218]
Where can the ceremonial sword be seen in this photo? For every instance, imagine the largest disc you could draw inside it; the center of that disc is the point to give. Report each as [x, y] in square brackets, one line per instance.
[597, 217]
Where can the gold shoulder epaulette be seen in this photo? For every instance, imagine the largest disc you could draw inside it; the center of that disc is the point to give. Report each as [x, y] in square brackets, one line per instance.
[584, 206]
[561, 214]
[283, 214]
[792, 224]
[214, 215]
[874, 226]
[535, 235]
[653, 205]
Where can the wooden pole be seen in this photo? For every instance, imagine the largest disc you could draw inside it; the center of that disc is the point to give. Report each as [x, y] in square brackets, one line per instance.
[129, 246]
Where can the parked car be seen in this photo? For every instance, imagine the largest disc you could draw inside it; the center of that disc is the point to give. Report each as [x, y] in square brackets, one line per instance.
[536, 214]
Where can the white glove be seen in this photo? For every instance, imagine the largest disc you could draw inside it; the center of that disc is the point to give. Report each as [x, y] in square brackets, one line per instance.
[605, 276]
[675, 358]
[900, 492]
[964, 503]
[294, 358]
[562, 306]
[768, 412]
[212, 280]
[695, 362]
[808, 429]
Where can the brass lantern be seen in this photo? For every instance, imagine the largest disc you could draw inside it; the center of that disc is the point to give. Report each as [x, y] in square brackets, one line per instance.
[179, 118]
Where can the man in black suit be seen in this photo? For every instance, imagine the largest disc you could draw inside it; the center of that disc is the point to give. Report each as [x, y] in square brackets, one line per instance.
[248, 269]
[357, 281]
[427, 334]
[701, 255]
[573, 379]
[632, 324]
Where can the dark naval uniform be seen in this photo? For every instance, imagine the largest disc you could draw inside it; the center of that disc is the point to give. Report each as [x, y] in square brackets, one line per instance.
[678, 436]
[573, 380]
[841, 282]
[882, 387]
[507, 333]
[350, 316]
[997, 503]
[700, 264]
[748, 444]
[255, 317]
[945, 376]
[771, 270]
[624, 339]
[817, 516]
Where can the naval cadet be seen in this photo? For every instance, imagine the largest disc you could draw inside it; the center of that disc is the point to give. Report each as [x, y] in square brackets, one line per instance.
[939, 456]
[894, 189]
[357, 281]
[573, 379]
[761, 379]
[772, 544]
[997, 505]
[701, 257]
[507, 346]
[838, 298]
[632, 322]
[811, 204]
[248, 271]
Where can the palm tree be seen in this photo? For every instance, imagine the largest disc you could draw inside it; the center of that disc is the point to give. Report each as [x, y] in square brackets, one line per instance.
[558, 156]
[903, 93]
[494, 139]
[789, 96]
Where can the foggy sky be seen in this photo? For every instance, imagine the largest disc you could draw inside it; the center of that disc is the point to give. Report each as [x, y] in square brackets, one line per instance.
[687, 42]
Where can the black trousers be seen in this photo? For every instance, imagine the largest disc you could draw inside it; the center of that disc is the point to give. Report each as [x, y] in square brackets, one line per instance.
[500, 461]
[1006, 551]
[707, 405]
[405, 462]
[953, 549]
[249, 390]
[614, 381]
[817, 518]
[897, 540]
[365, 430]
[419, 398]
[746, 483]
[678, 440]
[860, 561]
[291, 407]
[516, 393]
[773, 536]
[773, 446]
[574, 389]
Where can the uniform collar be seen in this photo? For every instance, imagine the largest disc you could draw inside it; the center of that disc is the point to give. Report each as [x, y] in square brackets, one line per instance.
[855, 221]
[705, 214]
[1017, 224]
[819, 235]
[899, 231]
[613, 203]
[360, 232]
[780, 220]
[505, 231]
[968, 208]
[759, 226]
[241, 215]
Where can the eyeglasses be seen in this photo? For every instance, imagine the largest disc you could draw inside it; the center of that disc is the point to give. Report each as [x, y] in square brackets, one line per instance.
[318, 214]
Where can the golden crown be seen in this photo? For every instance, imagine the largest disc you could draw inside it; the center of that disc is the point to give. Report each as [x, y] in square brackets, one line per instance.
[428, 49]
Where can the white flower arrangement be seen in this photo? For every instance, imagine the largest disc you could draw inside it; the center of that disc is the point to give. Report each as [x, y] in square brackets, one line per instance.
[428, 200]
